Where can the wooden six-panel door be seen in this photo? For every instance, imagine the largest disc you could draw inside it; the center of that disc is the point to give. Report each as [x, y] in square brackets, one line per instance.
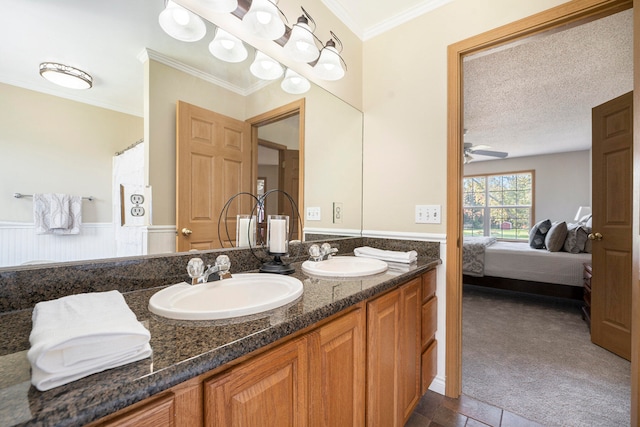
[612, 160]
[213, 163]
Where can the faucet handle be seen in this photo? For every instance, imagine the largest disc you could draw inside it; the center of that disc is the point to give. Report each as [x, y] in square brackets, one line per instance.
[325, 248]
[314, 250]
[224, 265]
[195, 268]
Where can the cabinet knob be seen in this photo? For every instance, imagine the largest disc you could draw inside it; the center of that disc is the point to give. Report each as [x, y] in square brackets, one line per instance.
[595, 236]
[186, 231]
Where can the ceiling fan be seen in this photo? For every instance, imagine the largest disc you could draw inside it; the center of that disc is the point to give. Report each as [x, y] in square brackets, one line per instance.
[482, 150]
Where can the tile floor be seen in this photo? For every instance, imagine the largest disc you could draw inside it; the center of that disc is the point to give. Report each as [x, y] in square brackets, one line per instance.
[436, 410]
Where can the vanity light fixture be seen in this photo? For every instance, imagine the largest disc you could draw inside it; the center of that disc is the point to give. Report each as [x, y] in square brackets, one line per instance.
[329, 65]
[221, 6]
[66, 76]
[227, 47]
[265, 67]
[181, 24]
[294, 83]
[301, 46]
[263, 20]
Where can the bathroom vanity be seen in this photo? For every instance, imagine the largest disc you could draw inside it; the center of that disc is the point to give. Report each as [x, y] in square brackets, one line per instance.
[336, 353]
[326, 374]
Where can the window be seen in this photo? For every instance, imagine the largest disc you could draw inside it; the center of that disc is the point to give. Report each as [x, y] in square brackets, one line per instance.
[498, 205]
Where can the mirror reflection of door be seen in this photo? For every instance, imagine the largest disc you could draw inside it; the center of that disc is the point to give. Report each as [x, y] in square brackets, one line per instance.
[279, 163]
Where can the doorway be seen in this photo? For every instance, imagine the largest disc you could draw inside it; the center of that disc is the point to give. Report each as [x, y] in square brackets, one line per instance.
[278, 141]
[572, 13]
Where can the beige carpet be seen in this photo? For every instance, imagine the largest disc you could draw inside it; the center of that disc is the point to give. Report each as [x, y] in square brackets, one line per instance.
[533, 356]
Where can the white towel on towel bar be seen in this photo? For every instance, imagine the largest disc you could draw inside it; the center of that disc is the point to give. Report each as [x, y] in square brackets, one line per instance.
[394, 256]
[79, 335]
[55, 213]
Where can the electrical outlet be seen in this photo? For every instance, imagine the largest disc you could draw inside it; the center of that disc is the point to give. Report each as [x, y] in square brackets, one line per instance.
[137, 211]
[428, 214]
[313, 214]
[337, 212]
[137, 199]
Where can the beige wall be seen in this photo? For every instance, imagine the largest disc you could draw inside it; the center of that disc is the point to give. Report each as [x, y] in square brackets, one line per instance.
[332, 152]
[51, 144]
[405, 108]
[562, 181]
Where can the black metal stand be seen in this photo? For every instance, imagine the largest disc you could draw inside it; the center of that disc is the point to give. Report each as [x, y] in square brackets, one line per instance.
[276, 266]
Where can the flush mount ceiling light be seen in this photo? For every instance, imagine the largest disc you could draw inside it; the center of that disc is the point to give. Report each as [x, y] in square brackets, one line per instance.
[301, 46]
[294, 83]
[263, 20]
[65, 75]
[227, 47]
[329, 65]
[181, 24]
[265, 67]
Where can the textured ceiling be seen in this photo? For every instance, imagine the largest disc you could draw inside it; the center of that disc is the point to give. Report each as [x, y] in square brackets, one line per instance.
[536, 96]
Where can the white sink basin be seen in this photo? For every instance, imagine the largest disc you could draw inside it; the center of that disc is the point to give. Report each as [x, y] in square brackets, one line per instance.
[345, 266]
[241, 295]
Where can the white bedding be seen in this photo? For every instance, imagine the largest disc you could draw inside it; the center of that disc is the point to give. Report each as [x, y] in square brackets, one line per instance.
[517, 260]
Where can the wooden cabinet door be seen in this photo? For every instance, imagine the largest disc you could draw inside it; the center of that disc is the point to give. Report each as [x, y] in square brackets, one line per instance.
[383, 352]
[411, 347]
[158, 412]
[268, 390]
[337, 372]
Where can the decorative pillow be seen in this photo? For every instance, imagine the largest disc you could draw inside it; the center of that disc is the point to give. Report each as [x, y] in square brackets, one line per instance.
[576, 238]
[588, 243]
[537, 233]
[555, 237]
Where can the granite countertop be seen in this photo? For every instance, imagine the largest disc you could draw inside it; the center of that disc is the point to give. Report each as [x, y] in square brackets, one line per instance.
[181, 350]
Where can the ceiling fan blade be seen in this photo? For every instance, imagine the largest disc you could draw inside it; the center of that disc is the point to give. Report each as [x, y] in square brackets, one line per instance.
[500, 154]
[475, 148]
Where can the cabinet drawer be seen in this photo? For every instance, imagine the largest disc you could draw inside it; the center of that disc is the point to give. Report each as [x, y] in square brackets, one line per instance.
[429, 320]
[429, 366]
[428, 284]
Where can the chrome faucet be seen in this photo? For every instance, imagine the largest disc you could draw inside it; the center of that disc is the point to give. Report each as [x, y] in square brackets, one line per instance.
[321, 253]
[198, 274]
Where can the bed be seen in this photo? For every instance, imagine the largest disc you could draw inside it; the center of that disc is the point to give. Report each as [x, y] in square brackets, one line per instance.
[516, 266]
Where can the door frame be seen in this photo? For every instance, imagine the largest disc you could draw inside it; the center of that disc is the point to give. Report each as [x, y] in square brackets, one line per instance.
[271, 116]
[572, 13]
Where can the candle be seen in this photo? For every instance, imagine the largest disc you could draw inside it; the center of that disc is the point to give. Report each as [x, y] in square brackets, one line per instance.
[245, 230]
[278, 236]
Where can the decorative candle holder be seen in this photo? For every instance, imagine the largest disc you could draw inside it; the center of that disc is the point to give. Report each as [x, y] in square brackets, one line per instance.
[245, 231]
[268, 248]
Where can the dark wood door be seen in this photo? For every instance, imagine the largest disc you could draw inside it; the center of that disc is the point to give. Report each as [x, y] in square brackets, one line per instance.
[612, 162]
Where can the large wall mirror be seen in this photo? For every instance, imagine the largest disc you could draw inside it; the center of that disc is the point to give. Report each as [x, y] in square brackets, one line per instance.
[57, 140]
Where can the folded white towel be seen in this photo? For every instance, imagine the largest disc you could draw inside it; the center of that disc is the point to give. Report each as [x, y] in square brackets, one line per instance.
[393, 256]
[57, 213]
[79, 335]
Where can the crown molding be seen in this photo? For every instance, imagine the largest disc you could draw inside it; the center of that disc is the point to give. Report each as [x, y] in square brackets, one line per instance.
[367, 33]
[147, 54]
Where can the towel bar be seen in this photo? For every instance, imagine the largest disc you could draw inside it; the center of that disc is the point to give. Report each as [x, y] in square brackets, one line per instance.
[20, 195]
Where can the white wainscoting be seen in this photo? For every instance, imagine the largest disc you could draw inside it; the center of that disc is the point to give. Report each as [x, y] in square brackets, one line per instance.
[19, 244]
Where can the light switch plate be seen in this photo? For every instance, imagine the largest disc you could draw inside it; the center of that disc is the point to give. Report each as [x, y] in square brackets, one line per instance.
[313, 214]
[428, 214]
